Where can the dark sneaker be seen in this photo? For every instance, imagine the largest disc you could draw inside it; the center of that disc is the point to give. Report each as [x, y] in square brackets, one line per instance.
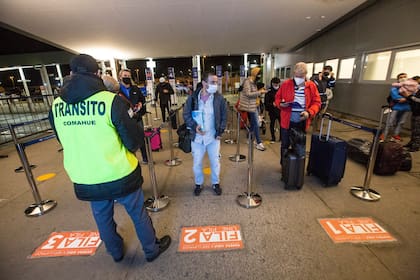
[119, 258]
[217, 189]
[197, 190]
[164, 243]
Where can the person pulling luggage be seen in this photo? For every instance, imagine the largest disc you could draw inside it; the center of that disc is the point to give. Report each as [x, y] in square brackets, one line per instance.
[298, 101]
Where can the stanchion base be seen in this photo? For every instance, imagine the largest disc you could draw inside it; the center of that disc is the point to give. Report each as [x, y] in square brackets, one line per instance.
[251, 200]
[173, 162]
[365, 194]
[20, 168]
[230, 141]
[35, 210]
[237, 158]
[152, 204]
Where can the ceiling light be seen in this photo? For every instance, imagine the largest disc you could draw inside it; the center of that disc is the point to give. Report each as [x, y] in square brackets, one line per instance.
[323, 16]
[308, 17]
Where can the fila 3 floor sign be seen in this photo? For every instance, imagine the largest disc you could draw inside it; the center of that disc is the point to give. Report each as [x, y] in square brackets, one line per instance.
[76, 243]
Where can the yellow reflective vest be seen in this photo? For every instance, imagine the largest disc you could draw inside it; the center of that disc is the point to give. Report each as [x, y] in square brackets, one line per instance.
[93, 150]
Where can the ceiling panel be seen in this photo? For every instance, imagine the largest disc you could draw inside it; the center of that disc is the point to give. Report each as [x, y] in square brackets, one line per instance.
[135, 29]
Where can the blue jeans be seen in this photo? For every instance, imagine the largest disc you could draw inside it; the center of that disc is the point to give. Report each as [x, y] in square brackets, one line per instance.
[103, 212]
[255, 128]
[213, 152]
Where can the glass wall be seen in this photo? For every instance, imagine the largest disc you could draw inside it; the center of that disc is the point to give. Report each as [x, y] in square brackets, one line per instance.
[376, 65]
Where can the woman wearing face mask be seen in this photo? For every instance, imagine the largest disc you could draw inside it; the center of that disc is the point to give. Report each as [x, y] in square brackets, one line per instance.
[273, 111]
[207, 129]
[298, 101]
[248, 103]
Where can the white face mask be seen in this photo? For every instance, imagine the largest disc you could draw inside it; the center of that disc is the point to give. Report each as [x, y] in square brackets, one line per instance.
[298, 80]
[402, 80]
[276, 87]
[212, 89]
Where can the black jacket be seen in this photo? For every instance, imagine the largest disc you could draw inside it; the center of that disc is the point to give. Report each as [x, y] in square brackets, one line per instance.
[164, 97]
[269, 100]
[78, 87]
[135, 97]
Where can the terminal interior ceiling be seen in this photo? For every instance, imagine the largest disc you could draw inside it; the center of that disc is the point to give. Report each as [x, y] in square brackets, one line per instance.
[128, 29]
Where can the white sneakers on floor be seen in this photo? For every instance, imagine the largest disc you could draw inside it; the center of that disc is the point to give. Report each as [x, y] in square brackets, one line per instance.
[260, 147]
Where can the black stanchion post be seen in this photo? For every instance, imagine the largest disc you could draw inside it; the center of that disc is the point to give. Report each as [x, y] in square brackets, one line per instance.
[173, 161]
[237, 157]
[157, 202]
[40, 207]
[249, 199]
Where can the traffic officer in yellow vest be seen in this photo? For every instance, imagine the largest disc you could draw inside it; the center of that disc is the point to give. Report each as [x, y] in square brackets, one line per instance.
[99, 140]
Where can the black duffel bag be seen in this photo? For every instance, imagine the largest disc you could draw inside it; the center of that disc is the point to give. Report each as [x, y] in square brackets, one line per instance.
[185, 138]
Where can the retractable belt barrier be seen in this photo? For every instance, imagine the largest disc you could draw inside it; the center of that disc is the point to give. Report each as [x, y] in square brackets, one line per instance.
[173, 161]
[157, 202]
[237, 157]
[40, 206]
[364, 192]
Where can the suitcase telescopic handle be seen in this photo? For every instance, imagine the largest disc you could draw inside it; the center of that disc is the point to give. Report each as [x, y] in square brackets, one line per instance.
[330, 119]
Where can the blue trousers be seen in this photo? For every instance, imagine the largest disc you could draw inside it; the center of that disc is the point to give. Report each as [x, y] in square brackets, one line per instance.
[213, 152]
[103, 212]
[253, 120]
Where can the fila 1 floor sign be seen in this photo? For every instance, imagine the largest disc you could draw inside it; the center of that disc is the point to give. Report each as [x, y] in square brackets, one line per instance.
[355, 230]
[77, 243]
[210, 238]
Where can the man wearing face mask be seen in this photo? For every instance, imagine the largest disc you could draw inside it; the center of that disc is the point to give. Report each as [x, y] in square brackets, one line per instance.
[164, 92]
[298, 101]
[211, 106]
[133, 96]
[273, 111]
[325, 83]
[400, 109]
[248, 103]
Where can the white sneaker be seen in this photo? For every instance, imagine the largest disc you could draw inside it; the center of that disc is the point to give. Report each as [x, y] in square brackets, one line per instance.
[260, 147]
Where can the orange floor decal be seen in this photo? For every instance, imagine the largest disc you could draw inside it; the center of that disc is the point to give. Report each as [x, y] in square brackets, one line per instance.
[77, 243]
[210, 238]
[355, 230]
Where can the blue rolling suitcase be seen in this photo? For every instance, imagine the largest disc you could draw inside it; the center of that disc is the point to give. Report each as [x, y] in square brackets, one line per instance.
[327, 158]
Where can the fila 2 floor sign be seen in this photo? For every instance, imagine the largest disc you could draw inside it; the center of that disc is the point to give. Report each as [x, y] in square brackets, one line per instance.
[210, 238]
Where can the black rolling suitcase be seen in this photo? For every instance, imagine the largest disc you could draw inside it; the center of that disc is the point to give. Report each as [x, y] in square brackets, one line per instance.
[327, 158]
[293, 171]
[358, 150]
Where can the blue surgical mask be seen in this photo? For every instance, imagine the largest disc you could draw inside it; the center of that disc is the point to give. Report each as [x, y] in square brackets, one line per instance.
[212, 89]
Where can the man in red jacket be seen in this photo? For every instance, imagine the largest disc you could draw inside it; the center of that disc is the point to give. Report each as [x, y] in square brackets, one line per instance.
[299, 101]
